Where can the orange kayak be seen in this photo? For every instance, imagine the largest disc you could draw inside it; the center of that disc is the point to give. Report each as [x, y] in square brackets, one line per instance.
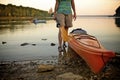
[90, 49]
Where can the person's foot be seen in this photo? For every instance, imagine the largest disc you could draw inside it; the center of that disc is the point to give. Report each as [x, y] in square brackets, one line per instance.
[64, 45]
[60, 49]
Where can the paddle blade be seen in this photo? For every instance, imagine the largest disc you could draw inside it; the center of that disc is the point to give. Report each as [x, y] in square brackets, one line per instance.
[64, 34]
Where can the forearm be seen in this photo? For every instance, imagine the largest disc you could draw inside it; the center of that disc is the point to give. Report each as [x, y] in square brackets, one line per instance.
[73, 6]
[56, 6]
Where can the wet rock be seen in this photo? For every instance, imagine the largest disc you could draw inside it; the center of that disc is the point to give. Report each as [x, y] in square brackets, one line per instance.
[53, 44]
[44, 39]
[3, 42]
[69, 76]
[45, 68]
[33, 44]
[24, 44]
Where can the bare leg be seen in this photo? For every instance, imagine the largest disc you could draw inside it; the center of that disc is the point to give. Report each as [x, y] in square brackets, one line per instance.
[59, 38]
[60, 41]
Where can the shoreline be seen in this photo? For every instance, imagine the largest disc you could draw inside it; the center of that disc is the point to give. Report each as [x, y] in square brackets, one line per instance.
[66, 64]
[23, 18]
[41, 60]
[16, 18]
[28, 70]
[31, 18]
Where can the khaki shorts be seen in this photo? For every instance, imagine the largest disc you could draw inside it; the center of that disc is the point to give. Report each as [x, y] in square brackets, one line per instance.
[64, 20]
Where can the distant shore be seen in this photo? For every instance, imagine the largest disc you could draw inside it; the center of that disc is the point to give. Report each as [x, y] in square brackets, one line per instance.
[16, 18]
[4, 17]
[23, 18]
[97, 16]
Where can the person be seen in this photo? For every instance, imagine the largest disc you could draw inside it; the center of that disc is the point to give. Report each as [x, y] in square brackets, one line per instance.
[63, 16]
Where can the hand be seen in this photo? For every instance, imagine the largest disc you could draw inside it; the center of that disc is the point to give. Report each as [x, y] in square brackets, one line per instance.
[54, 16]
[74, 16]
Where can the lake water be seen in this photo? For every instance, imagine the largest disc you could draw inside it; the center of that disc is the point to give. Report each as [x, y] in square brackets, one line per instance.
[104, 28]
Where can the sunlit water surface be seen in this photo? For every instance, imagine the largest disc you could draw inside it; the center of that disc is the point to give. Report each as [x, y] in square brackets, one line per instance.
[43, 34]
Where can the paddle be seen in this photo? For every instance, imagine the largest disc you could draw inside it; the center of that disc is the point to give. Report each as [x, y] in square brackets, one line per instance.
[64, 33]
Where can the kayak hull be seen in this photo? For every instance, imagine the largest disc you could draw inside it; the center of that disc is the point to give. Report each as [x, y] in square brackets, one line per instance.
[90, 49]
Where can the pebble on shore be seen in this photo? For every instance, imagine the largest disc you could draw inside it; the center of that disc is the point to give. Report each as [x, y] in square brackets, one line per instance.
[3, 42]
[45, 68]
[69, 76]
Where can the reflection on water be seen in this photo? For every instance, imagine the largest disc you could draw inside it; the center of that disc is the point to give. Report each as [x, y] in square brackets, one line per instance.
[14, 35]
[29, 33]
[117, 22]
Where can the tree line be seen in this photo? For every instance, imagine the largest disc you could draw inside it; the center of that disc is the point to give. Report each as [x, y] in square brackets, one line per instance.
[20, 11]
[118, 11]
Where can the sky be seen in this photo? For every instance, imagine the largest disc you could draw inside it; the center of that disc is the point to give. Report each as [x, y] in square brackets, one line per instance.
[83, 7]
